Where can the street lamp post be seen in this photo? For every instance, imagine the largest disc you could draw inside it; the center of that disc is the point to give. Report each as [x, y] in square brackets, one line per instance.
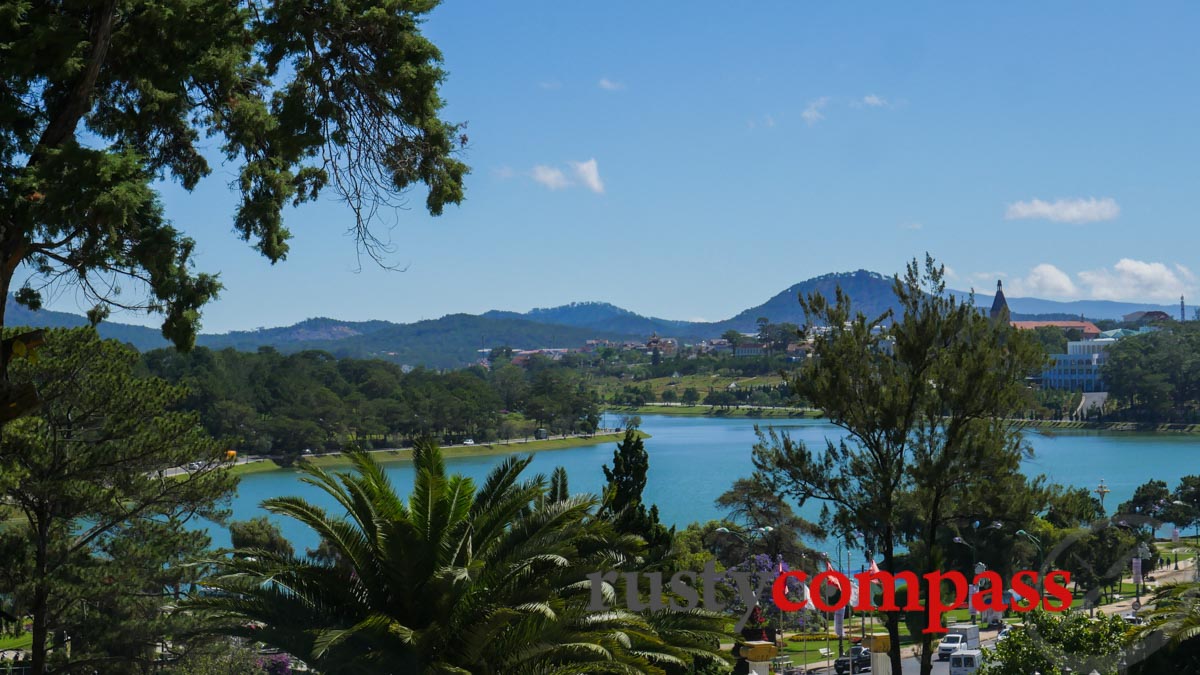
[1102, 490]
[1143, 553]
[1041, 556]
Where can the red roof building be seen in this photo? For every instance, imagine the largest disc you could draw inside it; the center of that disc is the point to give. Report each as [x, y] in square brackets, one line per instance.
[1087, 328]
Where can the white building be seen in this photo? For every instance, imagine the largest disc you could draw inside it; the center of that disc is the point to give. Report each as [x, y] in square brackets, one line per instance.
[1079, 368]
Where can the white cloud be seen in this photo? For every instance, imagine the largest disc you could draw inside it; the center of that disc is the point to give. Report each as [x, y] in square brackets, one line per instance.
[1045, 280]
[949, 271]
[767, 122]
[1139, 280]
[812, 113]
[586, 174]
[874, 101]
[1128, 280]
[550, 84]
[504, 172]
[1065, 210]
[589, 174]
[912, 226]
[550, 177]
[610, 85]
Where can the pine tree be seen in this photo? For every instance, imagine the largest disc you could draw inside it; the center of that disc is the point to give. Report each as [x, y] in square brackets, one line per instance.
[924, 398]
[623, 495]
[93, 475]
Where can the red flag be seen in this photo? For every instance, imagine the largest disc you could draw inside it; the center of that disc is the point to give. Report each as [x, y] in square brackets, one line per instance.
[836, 582]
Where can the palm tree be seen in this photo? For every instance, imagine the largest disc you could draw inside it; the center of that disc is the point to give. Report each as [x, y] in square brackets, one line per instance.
[458, 580]
[1170, 640]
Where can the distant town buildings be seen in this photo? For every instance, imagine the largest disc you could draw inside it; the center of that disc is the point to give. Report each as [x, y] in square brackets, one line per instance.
[1080, 369]
[751, 349]
[1152, 316]
[665, 346]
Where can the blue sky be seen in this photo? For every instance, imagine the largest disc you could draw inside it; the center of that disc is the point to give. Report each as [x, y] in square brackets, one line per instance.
[689, 161]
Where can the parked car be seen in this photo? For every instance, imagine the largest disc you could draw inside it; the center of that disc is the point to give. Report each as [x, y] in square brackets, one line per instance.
[1004, 632]
[965, 661]
[861, 658]
[469, 441]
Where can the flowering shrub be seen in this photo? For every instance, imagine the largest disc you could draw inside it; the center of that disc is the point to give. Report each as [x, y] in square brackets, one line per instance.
[276, 664]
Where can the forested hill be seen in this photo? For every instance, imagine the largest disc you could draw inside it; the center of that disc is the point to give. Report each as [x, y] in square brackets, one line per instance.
[139, 336]
[296, 336]
[453, 340]
[870, 292]
[607, 317]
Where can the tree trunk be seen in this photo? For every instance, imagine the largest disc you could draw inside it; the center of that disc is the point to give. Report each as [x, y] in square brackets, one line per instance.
[932, 523]
[892, 619]
[8, 267]
[41, 599]
[926, 655]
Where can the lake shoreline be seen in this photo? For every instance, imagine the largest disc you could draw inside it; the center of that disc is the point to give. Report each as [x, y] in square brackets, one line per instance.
[714, 412]
[388, 455]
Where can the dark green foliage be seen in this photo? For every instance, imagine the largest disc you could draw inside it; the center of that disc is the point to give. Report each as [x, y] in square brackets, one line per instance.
[460, 578]
[922, 395]
[623, 494]
[259, 534]
[103, 99]
[627, 477]
[1148, 500]
[1057, 645]
[752, 504]
[1155, 377]
[1188, 492]
[222, 657]
[101, 529]
[1052, 339]
[1098, 559]
[1170, 641]
[1072, 507]
[559, 491]
[267, 402]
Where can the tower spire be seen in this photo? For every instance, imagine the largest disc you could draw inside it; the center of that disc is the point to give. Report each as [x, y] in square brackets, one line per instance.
[999, 309]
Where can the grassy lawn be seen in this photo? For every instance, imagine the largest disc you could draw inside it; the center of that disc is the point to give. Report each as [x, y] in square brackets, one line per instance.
[805, 652]
[22, 641]
[257, 466]
[480, 450]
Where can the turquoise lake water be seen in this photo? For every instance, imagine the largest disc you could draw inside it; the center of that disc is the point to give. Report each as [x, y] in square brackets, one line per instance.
[695, 459]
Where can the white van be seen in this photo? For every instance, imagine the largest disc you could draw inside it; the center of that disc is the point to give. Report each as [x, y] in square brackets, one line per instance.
[960, 636]
[965, 661]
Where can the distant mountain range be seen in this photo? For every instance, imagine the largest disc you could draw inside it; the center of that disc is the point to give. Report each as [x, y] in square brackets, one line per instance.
[454, 340]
